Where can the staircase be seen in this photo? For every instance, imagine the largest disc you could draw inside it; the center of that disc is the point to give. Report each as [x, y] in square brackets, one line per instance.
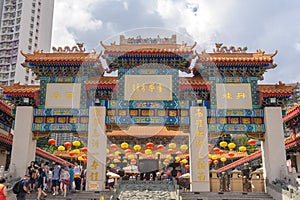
[82, 195]
[150, 190]
[224, 196]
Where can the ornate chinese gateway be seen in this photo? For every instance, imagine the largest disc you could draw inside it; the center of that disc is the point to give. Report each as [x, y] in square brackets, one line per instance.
[148, 102]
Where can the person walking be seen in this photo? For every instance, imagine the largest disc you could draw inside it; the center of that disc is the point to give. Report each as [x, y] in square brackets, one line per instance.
[77, 175]
[41, 183]
[31, 170]
[55, 178]
[71, 171]
[65, 179]
[3, 192]
[25, 188]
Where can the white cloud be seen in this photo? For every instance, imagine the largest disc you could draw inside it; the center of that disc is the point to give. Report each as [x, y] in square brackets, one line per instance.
[298, 46]
[72, 15]
[196, 17]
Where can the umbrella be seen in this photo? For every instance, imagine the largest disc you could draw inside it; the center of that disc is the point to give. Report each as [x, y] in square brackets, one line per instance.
[187, 175]
[112, 175]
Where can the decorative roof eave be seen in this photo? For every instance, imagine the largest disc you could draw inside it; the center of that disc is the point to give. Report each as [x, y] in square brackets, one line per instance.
[194, 82]
[5, 107]
[74, 57]
[292, 112]
[21, 90]
[101, 82]
[259, 57]
[279, 89]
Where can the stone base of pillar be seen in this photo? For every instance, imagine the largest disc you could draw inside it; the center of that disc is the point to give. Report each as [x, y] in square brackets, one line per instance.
[200, 186]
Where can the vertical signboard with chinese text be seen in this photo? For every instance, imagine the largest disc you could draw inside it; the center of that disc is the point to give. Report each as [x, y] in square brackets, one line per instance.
[97, 140]
[199, 168]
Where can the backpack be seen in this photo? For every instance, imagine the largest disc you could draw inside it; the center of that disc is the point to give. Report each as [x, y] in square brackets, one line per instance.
[18, 187]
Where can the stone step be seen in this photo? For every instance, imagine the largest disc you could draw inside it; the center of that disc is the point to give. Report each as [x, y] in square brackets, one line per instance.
[82, 195]
[224, 196]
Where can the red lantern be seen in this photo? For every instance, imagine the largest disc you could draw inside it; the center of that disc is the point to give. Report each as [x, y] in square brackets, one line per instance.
[111, 156]
[113, 146]
[187, 166]
[84, 149]
[221, 152]
[51, 141]
[181, 162]
[149, 145]
[251, 142]
[187, 156]
[209, 161]
[216, 150]
[160, 147]
[68, 145]
[179, 153]
[231, 154]
[84, 156]
[210, 146]
[71, 153]
[127, 151]
[216, 162]
[171, 151]
[84, 160]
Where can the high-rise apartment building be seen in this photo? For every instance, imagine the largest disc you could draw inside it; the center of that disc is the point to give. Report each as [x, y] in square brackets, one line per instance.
[25, 25]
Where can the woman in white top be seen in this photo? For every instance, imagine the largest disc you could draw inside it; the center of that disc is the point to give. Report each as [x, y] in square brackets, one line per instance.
[65, 178]
[77, 175]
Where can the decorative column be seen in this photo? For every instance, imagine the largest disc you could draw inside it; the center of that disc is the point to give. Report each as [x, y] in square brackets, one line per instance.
[97, 141]
[199, 150]
[23, 147]
[273, 151]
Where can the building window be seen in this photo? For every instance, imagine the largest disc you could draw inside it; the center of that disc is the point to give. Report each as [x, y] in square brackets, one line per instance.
[29, 48]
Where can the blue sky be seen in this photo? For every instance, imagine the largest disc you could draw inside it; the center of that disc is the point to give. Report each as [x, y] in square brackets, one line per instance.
[257, 24]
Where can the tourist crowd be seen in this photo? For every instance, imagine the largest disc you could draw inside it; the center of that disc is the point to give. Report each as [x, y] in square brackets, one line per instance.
[55, 179]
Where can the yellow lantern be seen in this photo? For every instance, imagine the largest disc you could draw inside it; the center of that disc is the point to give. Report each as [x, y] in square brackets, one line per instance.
[116, 160]
[80, 158]
[209, 155]
[242, 148]
[158, 153]
[231, 145]
[169, 157]
[184, 161]
[117, 153]
[124, 161]
[223, 159]
[61, 148]
[172, 145]
[76, 151]
[223, 144]
[214, 157]
[107, 151]
[148, 151]
[111, 165]
[124, 145]
[184, 147]
[76, 143]
[130, 157]
[177, 158]
[137, 147]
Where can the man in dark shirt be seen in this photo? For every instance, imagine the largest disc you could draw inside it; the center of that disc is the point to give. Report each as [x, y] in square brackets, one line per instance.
[25, 188]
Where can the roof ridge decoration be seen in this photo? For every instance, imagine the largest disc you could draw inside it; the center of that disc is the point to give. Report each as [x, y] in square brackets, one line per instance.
[78, 48]
[223, 49]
